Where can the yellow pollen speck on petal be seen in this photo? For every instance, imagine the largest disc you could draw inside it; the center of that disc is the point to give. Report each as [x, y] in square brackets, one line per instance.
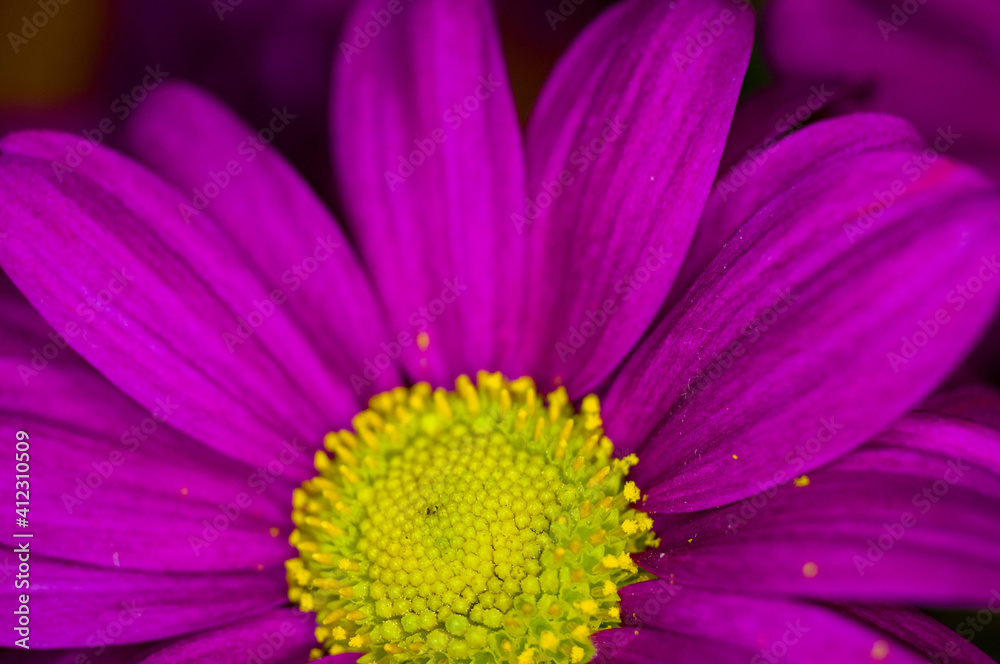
[880, 650]
[735, 457]
[423, 341]
[801, 481]
[487, 523]
[810, 570]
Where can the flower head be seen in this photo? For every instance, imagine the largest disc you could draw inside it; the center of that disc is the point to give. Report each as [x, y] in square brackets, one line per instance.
[761, 355]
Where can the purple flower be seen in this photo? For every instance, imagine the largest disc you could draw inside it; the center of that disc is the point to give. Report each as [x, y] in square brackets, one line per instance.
[765, 350]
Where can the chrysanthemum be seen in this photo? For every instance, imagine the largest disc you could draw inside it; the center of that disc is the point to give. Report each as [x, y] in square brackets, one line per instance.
[748, 482]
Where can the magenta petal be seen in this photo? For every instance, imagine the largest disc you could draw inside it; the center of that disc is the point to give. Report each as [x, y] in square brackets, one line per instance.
[155, 304]
[927, 635]
[429, 162]
[623, 147]
[803, 305]
[70, 603]
[765, 628]
[884, 523]
[952, 437]
[628, 645]
[113, 484]
[279, 636]
[777, 166]
[975, 403]
[264, 207]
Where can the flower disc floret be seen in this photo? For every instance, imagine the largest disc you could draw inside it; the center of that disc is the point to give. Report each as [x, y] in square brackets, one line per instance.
[483, 524]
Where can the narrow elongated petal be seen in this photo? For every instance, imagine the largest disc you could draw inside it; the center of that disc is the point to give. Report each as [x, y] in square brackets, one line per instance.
[266, 209]
[428, 157]
[72, 604]
[789, 630]
[772, 167]
[823, 289]
[114, 485]
[623, 147]
[975, 403]
[952, 437]
[283, 636]
[647, 646]
[865, 528]
[925, 634]
[155, 304]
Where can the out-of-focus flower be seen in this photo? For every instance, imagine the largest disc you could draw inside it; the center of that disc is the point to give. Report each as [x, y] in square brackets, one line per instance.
[935, 64]
[84, 63]
[210, 323]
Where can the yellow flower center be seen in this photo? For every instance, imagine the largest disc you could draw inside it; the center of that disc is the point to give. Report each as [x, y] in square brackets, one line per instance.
[480, 525]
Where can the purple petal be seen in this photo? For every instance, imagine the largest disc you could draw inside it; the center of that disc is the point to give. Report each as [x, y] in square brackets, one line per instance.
[73, 605]
[264, 207]
[951, 437]
[772, 167]
[629, 645]
[885, 523]
[766, 629]
[810, 322]
[975, 403]
[281, 636]
[429, 162]
[155, 304]
[113, 484]
[777, 110]
[929, 636]
[623, 147]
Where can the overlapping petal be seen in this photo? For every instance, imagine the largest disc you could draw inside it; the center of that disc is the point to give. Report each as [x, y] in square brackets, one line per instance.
[867, 527]
[282, 636]
[156, 304]
[925, 634]
[116, 486]
[762, 628]
[429, 161]
[75, 606]
[285, 233]
[623, 147]
[882, 281]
